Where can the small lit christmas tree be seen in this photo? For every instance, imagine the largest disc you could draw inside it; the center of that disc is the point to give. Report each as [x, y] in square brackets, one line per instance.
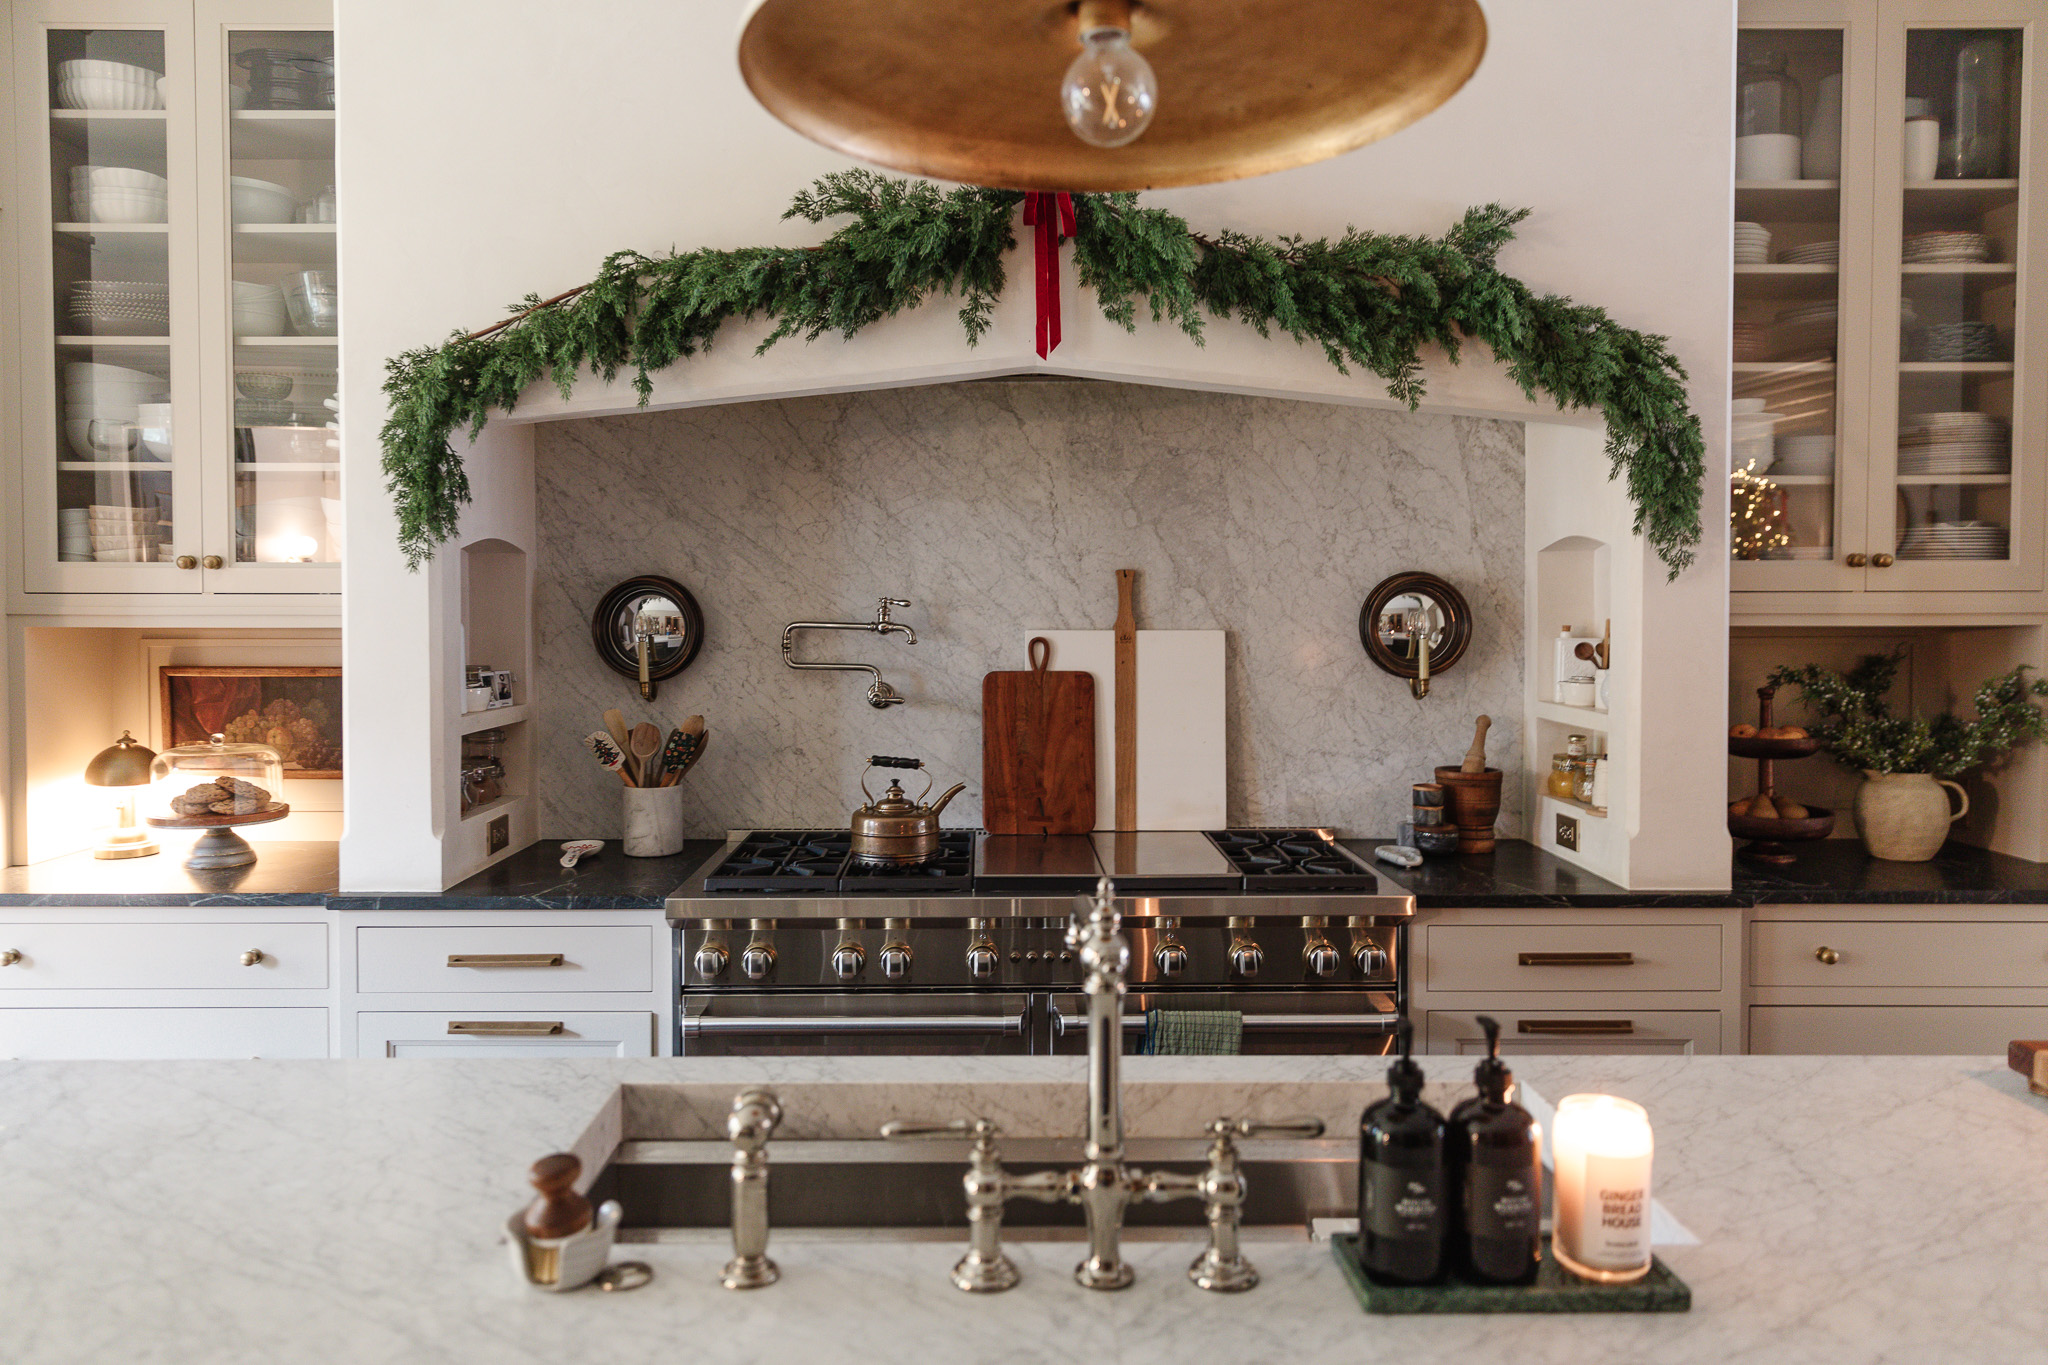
[1756, 515]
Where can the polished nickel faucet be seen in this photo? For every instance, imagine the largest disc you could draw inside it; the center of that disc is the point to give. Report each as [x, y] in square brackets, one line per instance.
[1103, 1184]
[880, 694]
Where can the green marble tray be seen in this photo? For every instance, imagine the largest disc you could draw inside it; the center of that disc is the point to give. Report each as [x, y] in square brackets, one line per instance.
[1556, 1290]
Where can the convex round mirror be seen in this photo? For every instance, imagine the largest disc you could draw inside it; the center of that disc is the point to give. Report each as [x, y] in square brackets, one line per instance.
[1415, 625]
[648, 628]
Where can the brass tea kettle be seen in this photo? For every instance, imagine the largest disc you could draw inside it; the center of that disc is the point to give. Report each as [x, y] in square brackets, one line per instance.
[894, 829]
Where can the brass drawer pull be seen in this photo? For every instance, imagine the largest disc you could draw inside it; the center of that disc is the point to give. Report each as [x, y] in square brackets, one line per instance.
[10, 957]
[1576, 959]
[504, 959]
[504, 1028]
[1827, 957]
[1578, 1026]
[253, 958]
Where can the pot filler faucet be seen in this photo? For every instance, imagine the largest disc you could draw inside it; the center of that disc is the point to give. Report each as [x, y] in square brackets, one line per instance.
[880, 694]
[1103, 1185]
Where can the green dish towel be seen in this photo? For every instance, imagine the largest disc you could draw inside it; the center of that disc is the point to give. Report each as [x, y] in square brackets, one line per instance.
[1193, 1033]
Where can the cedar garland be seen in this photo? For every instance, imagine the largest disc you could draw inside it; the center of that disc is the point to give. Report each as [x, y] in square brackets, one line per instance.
[1368, 299]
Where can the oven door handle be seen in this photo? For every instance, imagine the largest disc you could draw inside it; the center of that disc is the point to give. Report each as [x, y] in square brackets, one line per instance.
[1007, 1025]
[1135, 1023]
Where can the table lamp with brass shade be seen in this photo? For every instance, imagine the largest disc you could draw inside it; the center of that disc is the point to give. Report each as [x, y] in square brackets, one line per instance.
[125, 764]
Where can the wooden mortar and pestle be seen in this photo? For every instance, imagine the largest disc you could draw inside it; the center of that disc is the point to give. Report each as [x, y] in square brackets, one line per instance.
[1472, 791]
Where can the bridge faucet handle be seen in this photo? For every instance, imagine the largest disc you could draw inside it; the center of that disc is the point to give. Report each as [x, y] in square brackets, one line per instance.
[882, 605]
[906, 1130]
[1227, 1128]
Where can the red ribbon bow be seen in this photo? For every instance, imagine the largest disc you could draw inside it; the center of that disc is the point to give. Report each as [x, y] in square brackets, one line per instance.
[1052, 214]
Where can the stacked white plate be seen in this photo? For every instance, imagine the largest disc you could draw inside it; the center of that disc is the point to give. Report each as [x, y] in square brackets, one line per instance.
[1956, 540]
[1807, 331]
[1946, 248]
[1933, 443]
[260, 311]
[1813, 253]
[1961, 341]
[1752, 244]
[1808, 453]
[124, 535]
[87, 83]
[135, 308]
[1752, 340]
[102, 408]
[261, 201]
[74, 535]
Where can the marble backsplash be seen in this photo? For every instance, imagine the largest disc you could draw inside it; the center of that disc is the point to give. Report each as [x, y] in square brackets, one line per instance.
[1002, 506]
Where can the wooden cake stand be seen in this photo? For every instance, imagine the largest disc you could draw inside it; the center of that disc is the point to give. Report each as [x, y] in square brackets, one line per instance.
[220, 846]
[1771, 836]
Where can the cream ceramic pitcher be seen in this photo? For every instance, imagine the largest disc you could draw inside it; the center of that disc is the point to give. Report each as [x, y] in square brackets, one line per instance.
[1904, 817]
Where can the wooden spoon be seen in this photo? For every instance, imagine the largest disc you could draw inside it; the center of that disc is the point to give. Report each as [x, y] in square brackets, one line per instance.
[646, 744]
[615, 723]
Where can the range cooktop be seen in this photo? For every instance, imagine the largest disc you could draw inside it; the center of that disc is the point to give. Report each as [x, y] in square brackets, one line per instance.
[1283, 860]
[821, 862]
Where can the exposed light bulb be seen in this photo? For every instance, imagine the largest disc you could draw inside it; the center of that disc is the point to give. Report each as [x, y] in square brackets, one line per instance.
[1109, 91]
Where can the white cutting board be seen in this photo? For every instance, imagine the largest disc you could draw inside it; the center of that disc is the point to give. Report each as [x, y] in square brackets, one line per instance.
[1180, 722]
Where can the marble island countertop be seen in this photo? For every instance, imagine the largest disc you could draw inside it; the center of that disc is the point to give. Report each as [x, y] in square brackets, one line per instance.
[1848, 1209]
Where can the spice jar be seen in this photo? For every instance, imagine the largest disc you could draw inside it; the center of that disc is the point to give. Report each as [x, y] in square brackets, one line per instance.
[1583, 791]
[1563, 781]
[1575, 746]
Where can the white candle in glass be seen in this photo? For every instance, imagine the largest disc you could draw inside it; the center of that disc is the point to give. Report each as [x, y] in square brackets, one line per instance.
[1600, 1227]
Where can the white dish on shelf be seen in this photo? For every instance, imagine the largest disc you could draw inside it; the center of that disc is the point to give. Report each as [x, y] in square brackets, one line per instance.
[1767, 156]
[141, 554]
[117, 177]
[94, 92]
[260, 201]
[120, 206]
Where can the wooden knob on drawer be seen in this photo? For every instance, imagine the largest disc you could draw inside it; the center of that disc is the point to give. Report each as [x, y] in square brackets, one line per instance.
[1827, 957]
[252, 958]
[9, 957]
[1856, 561]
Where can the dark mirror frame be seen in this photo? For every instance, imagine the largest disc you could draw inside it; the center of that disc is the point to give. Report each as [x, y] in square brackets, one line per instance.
[1457, 622]
[622, 603]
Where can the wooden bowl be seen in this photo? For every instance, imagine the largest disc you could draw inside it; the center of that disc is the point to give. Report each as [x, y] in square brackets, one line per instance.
[1753, 747]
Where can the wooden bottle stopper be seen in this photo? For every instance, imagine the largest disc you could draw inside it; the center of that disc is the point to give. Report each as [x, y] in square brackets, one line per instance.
[1475, 757]
[558, 1210]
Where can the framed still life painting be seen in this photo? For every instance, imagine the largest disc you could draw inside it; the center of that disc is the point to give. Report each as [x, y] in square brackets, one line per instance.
[296, 711]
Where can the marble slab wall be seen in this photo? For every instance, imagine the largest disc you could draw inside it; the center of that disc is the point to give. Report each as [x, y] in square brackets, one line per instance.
[998, 507]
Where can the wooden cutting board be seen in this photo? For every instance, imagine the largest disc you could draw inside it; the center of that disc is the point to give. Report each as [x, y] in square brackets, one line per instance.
[1038, 749]
[1180, 723]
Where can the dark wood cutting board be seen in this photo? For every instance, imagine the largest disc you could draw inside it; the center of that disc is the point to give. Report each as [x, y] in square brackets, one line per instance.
[1038, 749]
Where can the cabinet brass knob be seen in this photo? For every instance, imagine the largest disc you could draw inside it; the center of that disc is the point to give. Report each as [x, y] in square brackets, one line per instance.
[252, 957]
[1856, 561]
[212, 561]
[186, 562]
[1881, 561]
[1827, 957]
[9, 957]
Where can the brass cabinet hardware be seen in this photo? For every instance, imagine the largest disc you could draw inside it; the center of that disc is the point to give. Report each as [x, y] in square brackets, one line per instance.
[1576, 1026]
[252, 958]
[1857, 560]
[212, 561]
[1881, 561]
[9, 957]
[1826, 956]
[504, 1028]
[504, 959]
[1576, 959]
[186, 562]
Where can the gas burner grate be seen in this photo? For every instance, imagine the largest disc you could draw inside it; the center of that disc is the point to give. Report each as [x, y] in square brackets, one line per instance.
[952, 871]
[797, 862]
[1297, 859]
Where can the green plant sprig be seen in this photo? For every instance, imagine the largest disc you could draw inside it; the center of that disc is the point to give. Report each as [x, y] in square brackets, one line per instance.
[1370, 300]
[1859, 731]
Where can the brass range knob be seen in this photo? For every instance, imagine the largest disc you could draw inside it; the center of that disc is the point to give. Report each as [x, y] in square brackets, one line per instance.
[1857, 560]
[252, 958]
[9, 957]
[212, 561]
[186, 562]
[1827, 957]
[1881, 561]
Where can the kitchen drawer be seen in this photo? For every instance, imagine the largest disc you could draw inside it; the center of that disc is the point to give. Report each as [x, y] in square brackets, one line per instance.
[1552, 1032]
[1645, 957]
[1984, 954]
[594, 957]
[627, 1033]
[76, 956]
[204, 1034]
[1893, 1030]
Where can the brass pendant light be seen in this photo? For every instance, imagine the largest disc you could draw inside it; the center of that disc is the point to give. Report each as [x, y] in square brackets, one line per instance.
[970, 90]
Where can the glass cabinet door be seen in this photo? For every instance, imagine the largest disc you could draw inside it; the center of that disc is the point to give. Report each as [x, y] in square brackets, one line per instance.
[1796, 423]
[275, 501]
[1956, 459]
[110, 475]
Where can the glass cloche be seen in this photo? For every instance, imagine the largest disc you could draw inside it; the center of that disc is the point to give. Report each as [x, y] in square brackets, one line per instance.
[194, 781]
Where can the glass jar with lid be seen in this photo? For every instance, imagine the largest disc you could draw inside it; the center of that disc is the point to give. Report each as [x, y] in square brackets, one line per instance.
[1766, 95]
[1563, 777]
[213, 786]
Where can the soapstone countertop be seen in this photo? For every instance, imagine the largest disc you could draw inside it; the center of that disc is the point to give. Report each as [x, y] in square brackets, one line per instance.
[1848, 1210]
[286, 872]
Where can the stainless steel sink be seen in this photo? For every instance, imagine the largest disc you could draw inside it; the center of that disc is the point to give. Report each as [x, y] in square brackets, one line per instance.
[681, 1191]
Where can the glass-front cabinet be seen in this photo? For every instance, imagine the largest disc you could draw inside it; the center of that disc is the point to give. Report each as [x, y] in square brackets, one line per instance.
[1889, 416]
[180, 312]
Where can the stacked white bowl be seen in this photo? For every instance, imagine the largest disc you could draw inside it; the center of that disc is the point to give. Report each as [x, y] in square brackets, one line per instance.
[86, 83]
[1752, 429]
[123, 535]
[260, 310]
[118, 194]
[261, 201]
[74, 535]
[102, 408]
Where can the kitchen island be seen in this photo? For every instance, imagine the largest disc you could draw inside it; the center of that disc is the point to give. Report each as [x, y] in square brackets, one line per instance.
[1848, 1209]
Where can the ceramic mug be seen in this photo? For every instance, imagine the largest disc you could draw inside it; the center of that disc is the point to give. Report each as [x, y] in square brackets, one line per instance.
[1923, 146]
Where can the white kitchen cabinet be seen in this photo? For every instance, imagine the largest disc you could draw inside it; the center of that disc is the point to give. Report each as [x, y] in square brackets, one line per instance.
[96, 955]
[1662, 1033]
[171, 436]
[103, 1033]
[1893, 1030]
[1873, 499]
[506, 959]
[492, 1033]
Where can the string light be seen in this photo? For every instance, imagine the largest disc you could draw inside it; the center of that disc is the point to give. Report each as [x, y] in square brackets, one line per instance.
[1756, 515]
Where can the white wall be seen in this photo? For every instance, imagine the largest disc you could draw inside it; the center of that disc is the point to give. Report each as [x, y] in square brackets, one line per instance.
[490, 150]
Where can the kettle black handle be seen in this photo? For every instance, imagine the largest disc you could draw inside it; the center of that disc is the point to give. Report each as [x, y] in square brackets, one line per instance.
[884, 761]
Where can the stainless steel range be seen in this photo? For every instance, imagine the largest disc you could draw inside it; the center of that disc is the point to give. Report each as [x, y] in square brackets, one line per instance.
[786, 944]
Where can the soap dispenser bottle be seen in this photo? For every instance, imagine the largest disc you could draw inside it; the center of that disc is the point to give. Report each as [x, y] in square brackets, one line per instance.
[1494, 1150]
[1403, 1214]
